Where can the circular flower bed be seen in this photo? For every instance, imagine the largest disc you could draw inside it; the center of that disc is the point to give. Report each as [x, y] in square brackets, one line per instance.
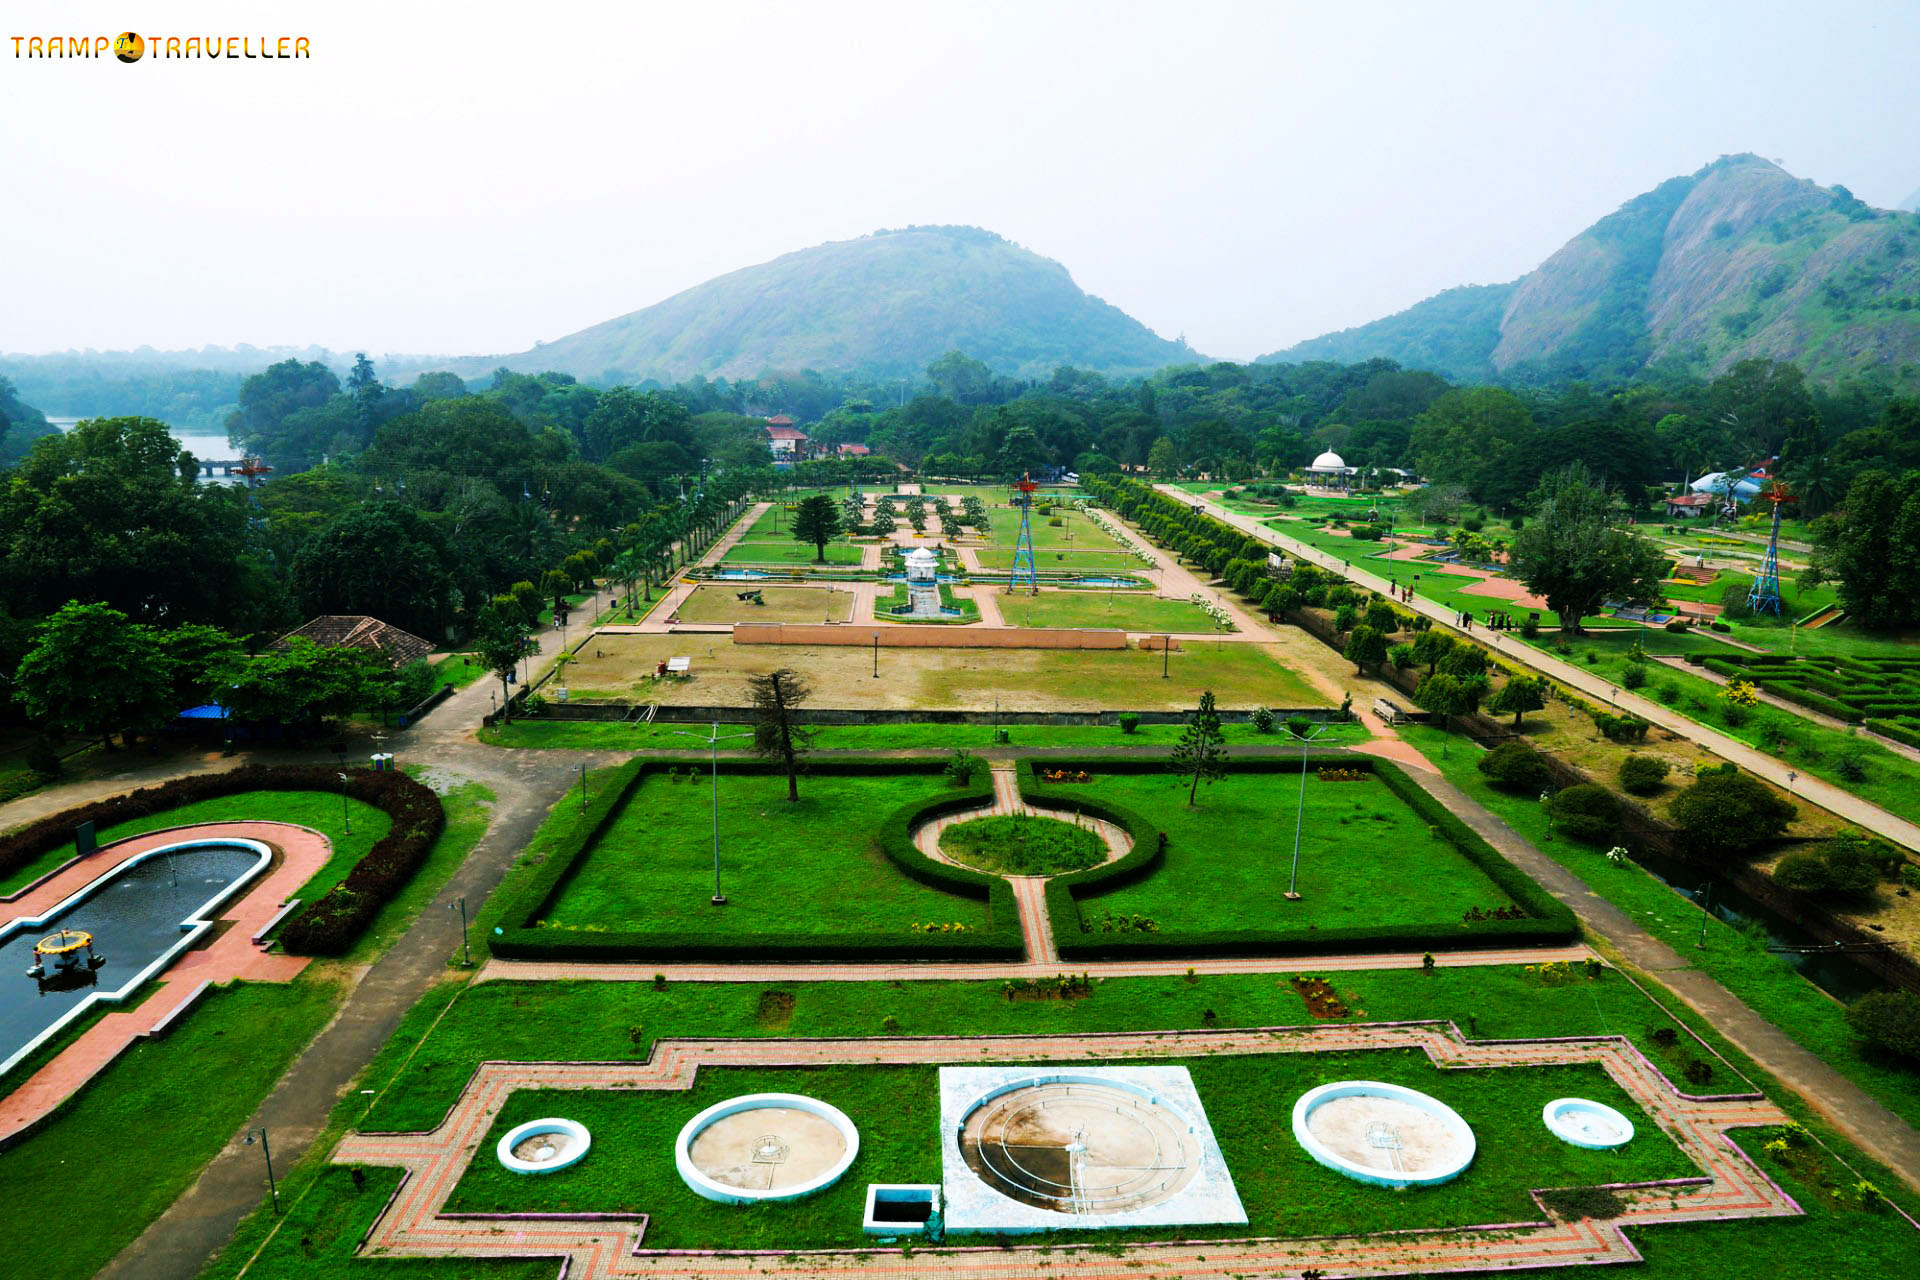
[1017, 845]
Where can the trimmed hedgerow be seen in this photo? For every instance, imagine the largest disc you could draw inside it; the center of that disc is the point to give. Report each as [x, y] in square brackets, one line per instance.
[331, 923]
[1548, 920]
[519, 938]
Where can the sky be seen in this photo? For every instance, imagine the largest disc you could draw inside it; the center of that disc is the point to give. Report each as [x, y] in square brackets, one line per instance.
[473, 178]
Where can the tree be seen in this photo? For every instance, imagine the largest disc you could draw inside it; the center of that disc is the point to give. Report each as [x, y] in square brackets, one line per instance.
[777, 735]
[1445, 697]
[382, 559]
[1889, 1019]
[1201, 752]
[1516, 767]
[816, 520]
[1576, 550]
[1730, 812]
[1161, 459]
[500, 640]
[92, 672]
[292, 683]
[1873, 546]
[1431, 646]
[883, 519]
[1520, 694]
[1365, 648]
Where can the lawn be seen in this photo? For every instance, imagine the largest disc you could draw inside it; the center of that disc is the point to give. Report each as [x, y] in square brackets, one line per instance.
[317, 809]
[1228, 859]
[430, 1058]
[1061, 560]
[897, 1109]
[662, 736]
[788, 551]
[1240, 674]
[1737, 959]
[1018, 845]
[723, 603]
[459, 670]
[1129, 612]
[789, 869]
[1075, 532]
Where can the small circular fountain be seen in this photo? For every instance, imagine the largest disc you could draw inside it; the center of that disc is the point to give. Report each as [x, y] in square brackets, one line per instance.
[765, 1146]
[1385, 1134]
[1593, 1125]
[543, 1146]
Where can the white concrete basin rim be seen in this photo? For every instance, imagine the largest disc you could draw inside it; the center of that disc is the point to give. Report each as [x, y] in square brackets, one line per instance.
[1553, 1115]
[1465, 1143]
[702, 1185]
[579, 1141]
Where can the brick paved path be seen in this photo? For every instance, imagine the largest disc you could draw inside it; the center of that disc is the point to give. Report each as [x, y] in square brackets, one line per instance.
[1728, 1187]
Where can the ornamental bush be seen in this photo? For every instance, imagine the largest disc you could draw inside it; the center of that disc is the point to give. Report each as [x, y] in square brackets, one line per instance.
[1730, 813]
[1588, 813]
[1514, 766]
[1890, 1020]
[1643, 775]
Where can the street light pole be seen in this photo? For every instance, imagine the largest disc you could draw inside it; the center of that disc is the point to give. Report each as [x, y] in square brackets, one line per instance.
[346, 815]
[713, 753]
[1706, 913]
[1300, 812]
[466, 954]
[273, 1188]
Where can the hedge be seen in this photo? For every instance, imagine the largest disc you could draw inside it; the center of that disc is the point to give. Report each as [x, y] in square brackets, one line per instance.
[520, 939]
[331, 923]
[1551, 920]
[1905, 733]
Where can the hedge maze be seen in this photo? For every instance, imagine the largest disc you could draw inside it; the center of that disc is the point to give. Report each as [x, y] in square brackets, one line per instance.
[1882, 693]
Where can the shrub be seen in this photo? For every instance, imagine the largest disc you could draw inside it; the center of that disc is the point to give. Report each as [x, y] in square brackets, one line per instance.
[1730, 812]
[1530, 628]
[1676, 626]
[1129, 722]
[1851, 763]
[964, 767]
[1514, 766]
[42, 760]
[1401, 656]
[1299, 726]
[1588, 813]
[1890, 1020]
[1345, 617]
[1643, 775]
[1803, 873]
[1668, 692]
[1262, 720]
[1634, 677]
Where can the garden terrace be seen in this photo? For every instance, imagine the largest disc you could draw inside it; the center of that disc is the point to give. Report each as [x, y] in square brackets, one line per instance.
[1095, 608]
[1383, 865]
[1852, 688]
[835, 876]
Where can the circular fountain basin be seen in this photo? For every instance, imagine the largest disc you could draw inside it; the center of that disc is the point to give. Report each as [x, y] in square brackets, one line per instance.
[543, 1146]
[1593, 1125]
[1384, 1134]
[765, 1146]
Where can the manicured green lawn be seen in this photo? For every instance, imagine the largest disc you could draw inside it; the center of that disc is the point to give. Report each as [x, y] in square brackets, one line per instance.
[1061, 560]
[1768, 983]
[1228, 859]
[459, 670]
[1105, 609]
[205, 1079]
[897, 1109]
[1017, 845]
[661, 736]
[317, 809]
[805, 868]
[790, 552]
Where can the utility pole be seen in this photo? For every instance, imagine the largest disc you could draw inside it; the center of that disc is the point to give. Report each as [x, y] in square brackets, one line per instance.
[1300, 813]
[713, 752]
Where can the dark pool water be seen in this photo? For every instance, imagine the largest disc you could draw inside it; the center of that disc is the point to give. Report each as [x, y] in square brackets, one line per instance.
[134, 918]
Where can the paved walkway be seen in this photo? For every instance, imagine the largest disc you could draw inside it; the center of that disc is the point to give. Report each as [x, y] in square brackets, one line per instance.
[1844, 804]
[231, 953]
[597, 1247]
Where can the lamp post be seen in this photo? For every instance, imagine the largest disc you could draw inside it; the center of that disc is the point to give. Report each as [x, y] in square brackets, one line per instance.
[713, 752]
[1300, 813]
[1166, 655]
[876, 655]
[273, 1188]
[466, 955]
[583, 786]
[1706, 913]
[346, 815]
[1546, 803]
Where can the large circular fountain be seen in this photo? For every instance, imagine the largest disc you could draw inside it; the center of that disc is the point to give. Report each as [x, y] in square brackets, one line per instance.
[1385, 1134]
[542, 1146]
[765, 1146]
[1585, 1123]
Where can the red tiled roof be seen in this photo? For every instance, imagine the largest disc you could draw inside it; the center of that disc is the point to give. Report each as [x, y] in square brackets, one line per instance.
[785, 433]
[780, 420]
[855, 450]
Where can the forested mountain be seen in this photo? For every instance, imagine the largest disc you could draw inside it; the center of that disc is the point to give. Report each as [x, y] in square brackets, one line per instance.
[20, 424]
[1738, 261]
[888, 303]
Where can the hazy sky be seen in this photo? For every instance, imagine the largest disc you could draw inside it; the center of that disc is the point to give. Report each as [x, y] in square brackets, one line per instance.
[473, 177]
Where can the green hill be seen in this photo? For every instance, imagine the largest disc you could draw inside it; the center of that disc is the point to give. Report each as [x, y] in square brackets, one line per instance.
[1739, 260]
[891, 302]
[20, 425]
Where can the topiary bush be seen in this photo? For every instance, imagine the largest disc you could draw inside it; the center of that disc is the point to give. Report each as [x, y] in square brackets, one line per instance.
[1129, 723]
[1514, 766]
[1643, 775]
[1588, 813]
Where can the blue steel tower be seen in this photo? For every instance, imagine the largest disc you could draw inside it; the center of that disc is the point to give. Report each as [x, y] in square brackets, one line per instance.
[1024, 569]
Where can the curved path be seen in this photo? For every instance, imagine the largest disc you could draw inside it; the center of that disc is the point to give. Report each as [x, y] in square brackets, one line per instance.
[1842, 803]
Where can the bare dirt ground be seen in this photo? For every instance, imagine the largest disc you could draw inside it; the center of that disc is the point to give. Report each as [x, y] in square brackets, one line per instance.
[1241, 675]
[722, 603]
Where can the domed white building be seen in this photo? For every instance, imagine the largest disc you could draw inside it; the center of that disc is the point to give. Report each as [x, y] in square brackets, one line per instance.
[1329, 471]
